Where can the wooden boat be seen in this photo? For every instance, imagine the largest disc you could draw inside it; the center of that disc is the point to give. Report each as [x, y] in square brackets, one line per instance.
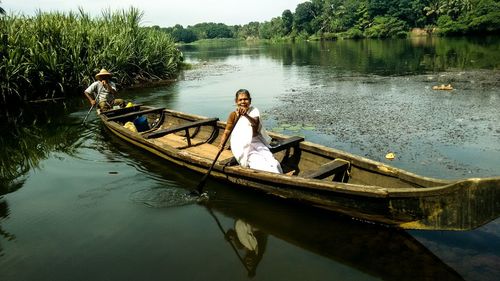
[324, 177]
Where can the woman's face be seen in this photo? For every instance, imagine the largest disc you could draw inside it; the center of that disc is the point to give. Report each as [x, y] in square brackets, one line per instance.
[243, 100]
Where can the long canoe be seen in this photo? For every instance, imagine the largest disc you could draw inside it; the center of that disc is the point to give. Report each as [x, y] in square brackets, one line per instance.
[324, 177]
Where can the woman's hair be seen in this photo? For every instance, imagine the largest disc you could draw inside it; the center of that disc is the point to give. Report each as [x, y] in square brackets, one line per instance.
[243, 91]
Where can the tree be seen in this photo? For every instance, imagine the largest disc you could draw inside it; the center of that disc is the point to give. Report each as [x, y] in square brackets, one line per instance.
[271, 29]
[485, 17]
[387, 26]
[304, 14]
[250, 30]
[181, 34]
[341, 15]
[433, 10]
[210, 30]
[379, 7]
[287, 21]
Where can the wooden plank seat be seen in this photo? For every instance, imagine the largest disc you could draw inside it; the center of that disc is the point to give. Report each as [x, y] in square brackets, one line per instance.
[281, 145]
[180, 127]
[135, 113]
[337, 167]
[286, 143]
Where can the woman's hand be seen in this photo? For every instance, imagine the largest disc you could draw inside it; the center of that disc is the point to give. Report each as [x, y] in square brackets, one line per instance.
[242, 110]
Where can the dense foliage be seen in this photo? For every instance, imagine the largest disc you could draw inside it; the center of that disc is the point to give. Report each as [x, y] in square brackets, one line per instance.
[55, 54]
[331, 19]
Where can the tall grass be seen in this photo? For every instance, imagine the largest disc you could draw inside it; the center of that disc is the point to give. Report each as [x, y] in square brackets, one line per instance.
[57, 54]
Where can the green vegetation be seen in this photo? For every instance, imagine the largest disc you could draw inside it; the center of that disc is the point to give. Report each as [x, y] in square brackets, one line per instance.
[57, 54]
[332, 19]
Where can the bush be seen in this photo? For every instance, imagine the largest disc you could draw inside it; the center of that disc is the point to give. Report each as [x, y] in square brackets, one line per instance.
[328, 36]
[353, 33]
[447, 26]
[56, 54]
[384, 27]
[485, 18]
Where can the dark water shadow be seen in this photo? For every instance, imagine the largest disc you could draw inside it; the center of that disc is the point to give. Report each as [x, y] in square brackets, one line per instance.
[4, 213]
[382, 252]
[30, 134]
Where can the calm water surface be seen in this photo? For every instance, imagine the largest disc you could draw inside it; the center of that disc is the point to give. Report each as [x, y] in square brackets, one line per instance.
[77, 204]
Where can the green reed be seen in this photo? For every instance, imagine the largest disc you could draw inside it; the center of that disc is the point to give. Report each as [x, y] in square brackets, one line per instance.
[57, 54]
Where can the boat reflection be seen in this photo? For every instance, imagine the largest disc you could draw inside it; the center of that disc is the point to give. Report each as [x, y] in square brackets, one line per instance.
[380, 251]
[384, 252]
[248, 242]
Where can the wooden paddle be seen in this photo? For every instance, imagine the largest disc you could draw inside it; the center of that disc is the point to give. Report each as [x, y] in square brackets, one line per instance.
[200, 186]
[85, 119]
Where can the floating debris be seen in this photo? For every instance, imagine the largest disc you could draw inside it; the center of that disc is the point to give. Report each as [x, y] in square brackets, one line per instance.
[390, 156]
[443, 87]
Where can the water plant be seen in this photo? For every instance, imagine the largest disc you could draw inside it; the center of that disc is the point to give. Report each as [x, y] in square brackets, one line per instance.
[57, 54]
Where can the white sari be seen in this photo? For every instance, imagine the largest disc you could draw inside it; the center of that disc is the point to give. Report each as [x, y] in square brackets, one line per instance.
[251, 151]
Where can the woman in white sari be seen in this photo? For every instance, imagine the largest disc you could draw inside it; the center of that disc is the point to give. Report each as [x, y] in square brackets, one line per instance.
[249, 140]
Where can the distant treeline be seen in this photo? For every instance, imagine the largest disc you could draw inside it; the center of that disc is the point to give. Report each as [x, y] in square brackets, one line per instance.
[332, 19]
[57, 54]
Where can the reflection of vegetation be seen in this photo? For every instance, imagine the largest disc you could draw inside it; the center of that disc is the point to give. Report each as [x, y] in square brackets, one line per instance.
[27, 140]
[4, 212]
[392, 57]
[210, 49]
[383, 57]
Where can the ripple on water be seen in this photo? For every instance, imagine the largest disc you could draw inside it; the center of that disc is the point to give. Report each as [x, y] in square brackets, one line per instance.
[163, 197]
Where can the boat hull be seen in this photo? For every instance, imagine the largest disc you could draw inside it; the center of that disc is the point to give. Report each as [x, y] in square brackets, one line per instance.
[373, 191]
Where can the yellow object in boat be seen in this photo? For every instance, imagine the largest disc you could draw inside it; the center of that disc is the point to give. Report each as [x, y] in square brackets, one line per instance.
[390, 156]
[130, 125]
[129, 104]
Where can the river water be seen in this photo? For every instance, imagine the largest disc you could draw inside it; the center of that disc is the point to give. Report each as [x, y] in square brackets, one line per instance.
[78, 204]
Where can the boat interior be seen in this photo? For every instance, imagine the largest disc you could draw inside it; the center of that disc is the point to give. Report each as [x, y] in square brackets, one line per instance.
[200, 136]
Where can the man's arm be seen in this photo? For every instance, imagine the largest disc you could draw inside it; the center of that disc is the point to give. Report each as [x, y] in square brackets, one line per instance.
[89, 97]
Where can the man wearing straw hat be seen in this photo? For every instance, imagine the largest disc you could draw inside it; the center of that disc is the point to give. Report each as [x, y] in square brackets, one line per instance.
[104, 92]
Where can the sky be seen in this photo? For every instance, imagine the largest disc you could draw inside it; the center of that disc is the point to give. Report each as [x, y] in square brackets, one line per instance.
[167, 13]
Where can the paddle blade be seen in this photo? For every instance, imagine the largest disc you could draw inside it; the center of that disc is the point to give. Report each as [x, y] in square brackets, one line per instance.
[201, 197]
